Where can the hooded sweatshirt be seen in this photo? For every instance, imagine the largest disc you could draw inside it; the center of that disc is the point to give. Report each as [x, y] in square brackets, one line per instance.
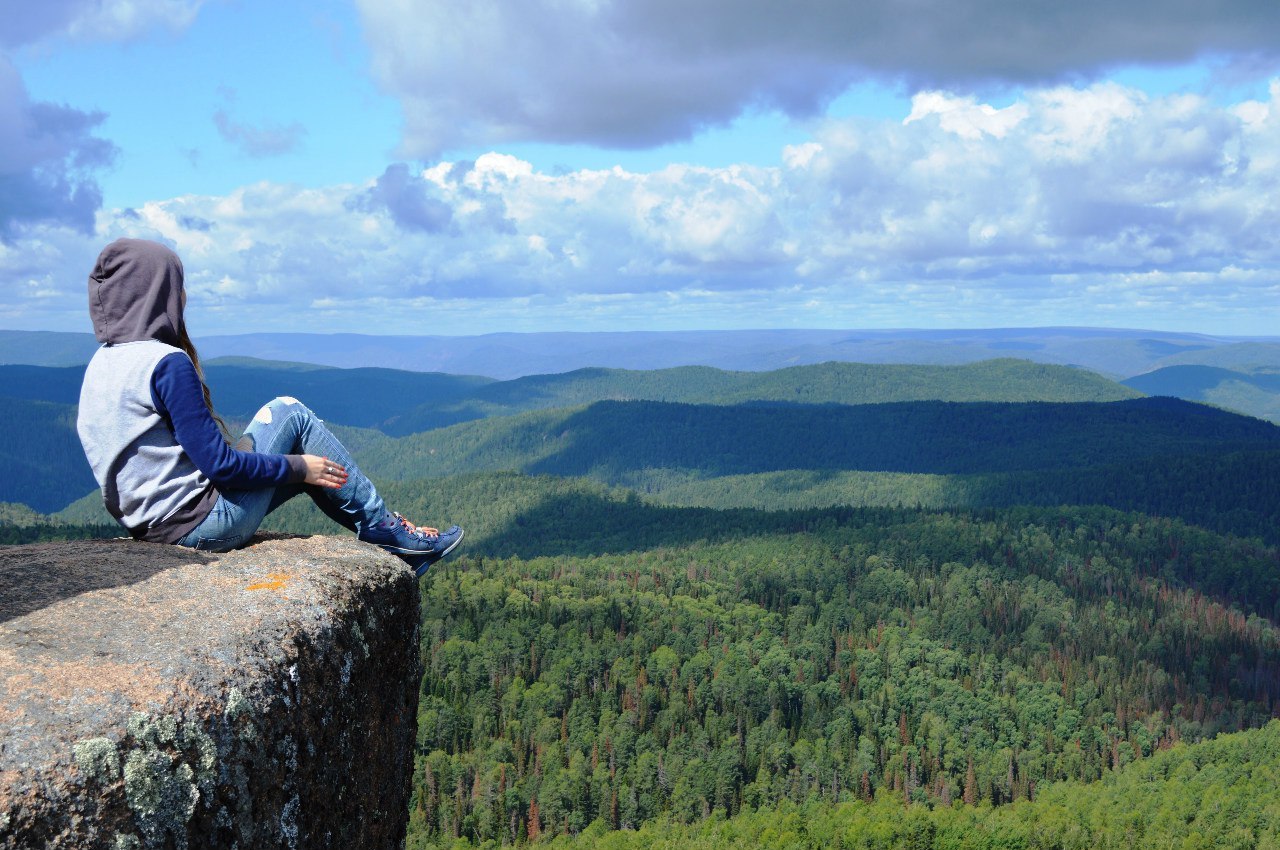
[150, 438]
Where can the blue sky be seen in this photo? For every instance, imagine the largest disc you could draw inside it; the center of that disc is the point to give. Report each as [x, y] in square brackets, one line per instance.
[440, 166]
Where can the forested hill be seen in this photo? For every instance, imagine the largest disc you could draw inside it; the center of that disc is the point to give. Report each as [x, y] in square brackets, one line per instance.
[1162, 456]
[399, 402]
[1252, 391]
[609, 439]
[832, 383]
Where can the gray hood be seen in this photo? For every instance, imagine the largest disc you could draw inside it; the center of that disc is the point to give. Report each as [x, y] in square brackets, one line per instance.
[135, 293]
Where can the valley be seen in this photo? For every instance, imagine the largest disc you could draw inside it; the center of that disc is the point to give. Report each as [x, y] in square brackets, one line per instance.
[1000, 603]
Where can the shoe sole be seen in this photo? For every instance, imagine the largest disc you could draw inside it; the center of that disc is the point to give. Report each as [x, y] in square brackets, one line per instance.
[422, 568]
[401, 550]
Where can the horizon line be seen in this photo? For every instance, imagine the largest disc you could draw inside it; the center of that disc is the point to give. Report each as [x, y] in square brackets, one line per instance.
[637, 332]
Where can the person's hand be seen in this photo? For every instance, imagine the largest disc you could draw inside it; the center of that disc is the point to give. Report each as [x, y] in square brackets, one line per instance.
[323, 472]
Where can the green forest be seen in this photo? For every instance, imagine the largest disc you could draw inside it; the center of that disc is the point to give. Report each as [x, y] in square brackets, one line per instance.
[1002, 605]
[1209, 795]
[936, 659]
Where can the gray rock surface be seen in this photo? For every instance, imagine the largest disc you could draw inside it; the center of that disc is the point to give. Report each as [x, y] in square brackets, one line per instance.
[157, 697]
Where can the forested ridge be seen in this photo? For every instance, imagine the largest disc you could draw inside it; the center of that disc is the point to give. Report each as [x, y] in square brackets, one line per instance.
[1254, 391]
[20, 524]
[610, 438]
[825, 383]
[1162, 456]
[1158, 455]
[47, 470]
[399, 402]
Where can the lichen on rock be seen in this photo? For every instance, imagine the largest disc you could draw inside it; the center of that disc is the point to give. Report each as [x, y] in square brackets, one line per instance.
[98, 759]
[170, 765]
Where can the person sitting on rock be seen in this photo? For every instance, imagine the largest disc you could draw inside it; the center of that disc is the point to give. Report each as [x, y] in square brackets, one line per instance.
[157, 449]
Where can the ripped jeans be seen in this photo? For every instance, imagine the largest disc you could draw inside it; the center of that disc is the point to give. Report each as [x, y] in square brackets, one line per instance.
[286, 426]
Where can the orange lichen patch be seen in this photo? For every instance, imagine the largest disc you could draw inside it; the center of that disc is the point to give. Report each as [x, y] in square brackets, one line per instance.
[273, 581]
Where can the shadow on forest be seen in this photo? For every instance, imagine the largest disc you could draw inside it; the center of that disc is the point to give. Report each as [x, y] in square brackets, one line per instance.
[588, 523]
[585, 523]
[947, 438]
[1236, 494]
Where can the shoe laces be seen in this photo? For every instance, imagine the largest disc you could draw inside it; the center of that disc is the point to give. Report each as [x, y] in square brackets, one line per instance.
[426, 532]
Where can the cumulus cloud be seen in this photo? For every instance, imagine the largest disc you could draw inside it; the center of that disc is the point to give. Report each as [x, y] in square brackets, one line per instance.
[636, 73]
[48, 153]
[408, 198]
[1085, 205]
[47, 156]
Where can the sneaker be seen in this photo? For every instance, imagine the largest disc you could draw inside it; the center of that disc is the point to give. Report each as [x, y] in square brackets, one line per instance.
[445, 542]
[420, 547]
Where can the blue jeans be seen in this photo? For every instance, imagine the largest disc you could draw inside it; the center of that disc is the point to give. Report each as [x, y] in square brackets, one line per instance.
[286, 426]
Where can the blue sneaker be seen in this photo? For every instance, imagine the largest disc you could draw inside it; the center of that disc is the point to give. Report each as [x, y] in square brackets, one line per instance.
[445, 542]
[419, 547]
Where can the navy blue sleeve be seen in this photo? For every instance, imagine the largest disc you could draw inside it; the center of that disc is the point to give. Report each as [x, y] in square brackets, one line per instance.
[177, 394]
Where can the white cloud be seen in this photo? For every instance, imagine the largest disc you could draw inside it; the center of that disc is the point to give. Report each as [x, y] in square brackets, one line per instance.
[964, 116]
[1095, 203]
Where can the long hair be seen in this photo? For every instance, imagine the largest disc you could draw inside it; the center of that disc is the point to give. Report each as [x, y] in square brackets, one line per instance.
[185, 343]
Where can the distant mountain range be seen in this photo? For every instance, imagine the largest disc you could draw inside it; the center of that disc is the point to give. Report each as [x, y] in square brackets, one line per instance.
[1114, 353]
[1247, 385]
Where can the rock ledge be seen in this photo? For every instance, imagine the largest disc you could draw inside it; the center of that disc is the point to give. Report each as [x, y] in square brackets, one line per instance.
[153, 696]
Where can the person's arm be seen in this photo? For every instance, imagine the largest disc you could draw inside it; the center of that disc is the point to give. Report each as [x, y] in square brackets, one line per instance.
[177, 394]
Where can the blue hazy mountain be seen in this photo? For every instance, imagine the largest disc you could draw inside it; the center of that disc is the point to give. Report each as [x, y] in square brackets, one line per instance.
[1255, 393]
[1116, 353]
[46, 348]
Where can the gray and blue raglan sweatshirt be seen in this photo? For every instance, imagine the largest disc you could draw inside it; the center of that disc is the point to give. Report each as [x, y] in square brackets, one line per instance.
[151, 440]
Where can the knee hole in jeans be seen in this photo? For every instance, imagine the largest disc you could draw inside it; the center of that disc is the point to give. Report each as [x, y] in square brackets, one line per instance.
[265, 413]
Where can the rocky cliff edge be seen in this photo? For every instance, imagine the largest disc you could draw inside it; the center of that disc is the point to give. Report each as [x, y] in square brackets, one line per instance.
[157, 697]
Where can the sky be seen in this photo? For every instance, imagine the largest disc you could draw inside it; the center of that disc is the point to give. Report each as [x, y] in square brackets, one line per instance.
[474, 166]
